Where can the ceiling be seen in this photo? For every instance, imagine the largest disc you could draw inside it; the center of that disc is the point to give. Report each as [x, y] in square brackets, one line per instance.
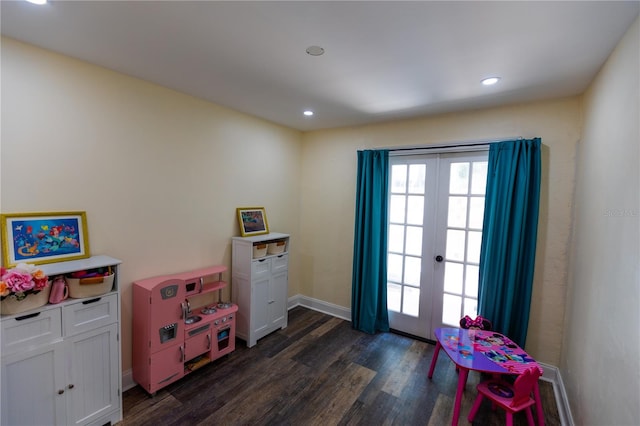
[383, 60]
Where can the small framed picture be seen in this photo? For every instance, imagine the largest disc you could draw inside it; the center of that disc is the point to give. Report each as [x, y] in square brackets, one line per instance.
[252, 220]
[38, 238]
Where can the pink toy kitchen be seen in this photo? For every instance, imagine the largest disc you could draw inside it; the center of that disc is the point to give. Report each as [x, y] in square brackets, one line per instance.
[178, 327]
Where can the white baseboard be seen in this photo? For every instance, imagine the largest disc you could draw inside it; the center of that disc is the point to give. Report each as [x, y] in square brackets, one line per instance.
[127, 380]
[551, 373]
[320, 306]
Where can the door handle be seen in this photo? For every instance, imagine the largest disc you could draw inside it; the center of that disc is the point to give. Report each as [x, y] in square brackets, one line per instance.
[439, 258]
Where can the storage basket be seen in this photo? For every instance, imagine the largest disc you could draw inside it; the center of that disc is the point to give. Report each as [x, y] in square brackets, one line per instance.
[11, 306]
[259, 250]
[89, 287]
[276, 247]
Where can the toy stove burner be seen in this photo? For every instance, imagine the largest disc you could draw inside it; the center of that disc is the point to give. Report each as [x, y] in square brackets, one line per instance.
[208, 310]
[224, 305]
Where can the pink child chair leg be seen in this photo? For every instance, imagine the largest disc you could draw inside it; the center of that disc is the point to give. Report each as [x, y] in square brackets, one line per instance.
[509, 418]
[530, 417]
[475, 408]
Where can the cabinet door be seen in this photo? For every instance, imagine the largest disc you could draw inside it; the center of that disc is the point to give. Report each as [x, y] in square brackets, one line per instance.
[278, 300]
[166, 366]
[92, 374]
[197, 341]
[31, 381]
[260, 307]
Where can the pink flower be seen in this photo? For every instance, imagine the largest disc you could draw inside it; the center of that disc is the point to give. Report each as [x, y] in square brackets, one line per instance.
[21, 281]
[18, 280]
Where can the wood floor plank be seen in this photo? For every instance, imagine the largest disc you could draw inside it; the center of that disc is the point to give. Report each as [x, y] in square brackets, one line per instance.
[332, 394]
[442, 411]
[404, 370]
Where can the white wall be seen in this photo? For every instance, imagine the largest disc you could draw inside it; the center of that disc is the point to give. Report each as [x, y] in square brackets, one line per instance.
[601, 349]
[159, 173]
[329, 164]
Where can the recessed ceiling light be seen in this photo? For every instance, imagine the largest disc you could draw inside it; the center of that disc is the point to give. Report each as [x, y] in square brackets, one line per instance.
[490, 81]
[308, 113]
[315, 50]
[40, 2]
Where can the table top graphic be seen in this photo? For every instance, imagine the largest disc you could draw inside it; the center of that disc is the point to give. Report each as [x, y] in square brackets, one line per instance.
[484, 350]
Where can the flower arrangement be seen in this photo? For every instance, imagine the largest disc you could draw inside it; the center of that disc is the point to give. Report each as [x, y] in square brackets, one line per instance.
[21, 281]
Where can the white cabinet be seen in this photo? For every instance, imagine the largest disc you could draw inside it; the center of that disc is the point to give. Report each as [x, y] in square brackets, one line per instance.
[61, 363]
[259, 286]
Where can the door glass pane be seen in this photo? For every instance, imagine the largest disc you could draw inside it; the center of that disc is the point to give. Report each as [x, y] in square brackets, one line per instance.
[414, 241]
[416, 178]
[396, 238]
[457, 215]
[415, 209]
[473, 250]
[455, 245]
[399, 178]
[471, 281]
[394, 268]
[393, 297]
[453, 277]
[411, 302]
[470, 307]
[479, 179]
[476, 212]
[459, 178]
[451, 310]
[396, 208]
[412, 269]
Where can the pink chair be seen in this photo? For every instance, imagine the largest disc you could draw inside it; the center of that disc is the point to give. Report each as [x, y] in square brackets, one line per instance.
[511, 398]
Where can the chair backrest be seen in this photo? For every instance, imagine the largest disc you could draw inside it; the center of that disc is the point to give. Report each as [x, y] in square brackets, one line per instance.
[524, 385]
[479, 322]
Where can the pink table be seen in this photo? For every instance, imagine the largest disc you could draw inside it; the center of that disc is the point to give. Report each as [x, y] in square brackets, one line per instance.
[484, 351]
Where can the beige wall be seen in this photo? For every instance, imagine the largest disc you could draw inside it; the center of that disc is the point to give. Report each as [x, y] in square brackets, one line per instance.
[600, 361]
[328, 190]
[159, 173]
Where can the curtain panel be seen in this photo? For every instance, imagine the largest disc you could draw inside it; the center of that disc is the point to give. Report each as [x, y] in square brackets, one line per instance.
[369, 277]
[507, 254]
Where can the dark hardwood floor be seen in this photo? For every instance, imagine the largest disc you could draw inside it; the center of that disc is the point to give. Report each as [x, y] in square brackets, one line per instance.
[319, 371]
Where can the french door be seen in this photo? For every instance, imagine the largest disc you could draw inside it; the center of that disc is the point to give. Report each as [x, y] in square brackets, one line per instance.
[436, 209]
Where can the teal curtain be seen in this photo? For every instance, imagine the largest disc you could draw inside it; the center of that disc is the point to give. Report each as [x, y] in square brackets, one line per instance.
[507, 254]
[369, 279]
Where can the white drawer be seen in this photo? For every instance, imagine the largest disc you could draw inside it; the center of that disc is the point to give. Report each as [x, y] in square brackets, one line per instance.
[279, 263]
[260, 267]
[26, 331]
[89, 314]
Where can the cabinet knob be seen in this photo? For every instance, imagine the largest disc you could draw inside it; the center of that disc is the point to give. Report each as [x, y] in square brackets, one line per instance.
[60, 391]
[71, 386]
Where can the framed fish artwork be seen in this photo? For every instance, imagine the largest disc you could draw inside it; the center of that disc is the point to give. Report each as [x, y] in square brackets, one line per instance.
[38, 238]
